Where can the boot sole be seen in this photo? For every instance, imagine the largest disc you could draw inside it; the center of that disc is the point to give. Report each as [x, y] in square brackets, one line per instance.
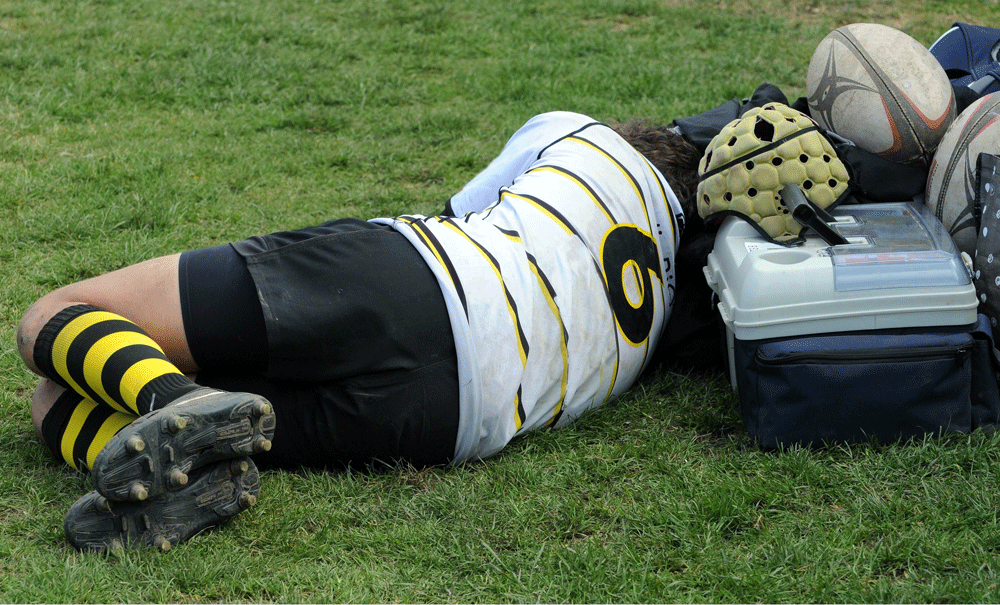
[216, 493]
[156, 453]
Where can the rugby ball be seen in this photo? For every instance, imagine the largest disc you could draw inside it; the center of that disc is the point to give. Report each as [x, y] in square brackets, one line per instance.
[882, 90]
[952, 179]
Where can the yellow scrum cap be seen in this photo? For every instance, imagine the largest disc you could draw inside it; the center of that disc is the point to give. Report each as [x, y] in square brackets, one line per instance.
[748, 163]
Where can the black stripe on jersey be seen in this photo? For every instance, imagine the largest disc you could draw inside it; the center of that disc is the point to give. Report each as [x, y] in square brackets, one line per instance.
[555, 419]
[575, 135]
[575, 177]
[521, 416]
[438, 250]
[548, 209]
[635, 182]
[571, 134]
[489, 209]
[607, 294]
[638, 189]
[509, 233]
[548, 288]
[522, 339]
[517, 320]
[555, 214]
[550, 296]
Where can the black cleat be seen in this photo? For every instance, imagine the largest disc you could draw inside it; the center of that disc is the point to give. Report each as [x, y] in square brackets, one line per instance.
[158, 451]
[214, 494]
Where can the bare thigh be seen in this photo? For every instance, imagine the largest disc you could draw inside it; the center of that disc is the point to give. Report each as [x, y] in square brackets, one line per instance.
[147, 293]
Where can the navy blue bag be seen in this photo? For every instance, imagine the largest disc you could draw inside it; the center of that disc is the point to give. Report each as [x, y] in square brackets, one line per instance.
[969, 55]
[858, 386]
[887, 385]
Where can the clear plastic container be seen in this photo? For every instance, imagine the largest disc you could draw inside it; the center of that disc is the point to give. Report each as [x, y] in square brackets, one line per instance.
[894, 246]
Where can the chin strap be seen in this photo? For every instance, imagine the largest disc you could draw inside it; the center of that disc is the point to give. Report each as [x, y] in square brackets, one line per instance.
[810, 215]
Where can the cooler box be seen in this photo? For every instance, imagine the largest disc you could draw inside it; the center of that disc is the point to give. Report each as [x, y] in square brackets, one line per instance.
[875, 339]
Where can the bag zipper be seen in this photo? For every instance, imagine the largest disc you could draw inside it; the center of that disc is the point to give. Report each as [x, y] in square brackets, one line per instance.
[866, 356]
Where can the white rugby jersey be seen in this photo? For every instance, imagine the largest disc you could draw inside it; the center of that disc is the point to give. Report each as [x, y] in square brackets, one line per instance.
[558, 276]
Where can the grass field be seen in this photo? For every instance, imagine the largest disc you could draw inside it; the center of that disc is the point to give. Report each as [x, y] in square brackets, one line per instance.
[134, 129]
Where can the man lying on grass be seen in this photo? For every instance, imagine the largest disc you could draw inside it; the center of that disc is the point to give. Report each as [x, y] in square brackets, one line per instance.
[539, 294]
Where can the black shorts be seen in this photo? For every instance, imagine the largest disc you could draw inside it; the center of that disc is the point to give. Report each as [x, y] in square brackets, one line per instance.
[343, 328]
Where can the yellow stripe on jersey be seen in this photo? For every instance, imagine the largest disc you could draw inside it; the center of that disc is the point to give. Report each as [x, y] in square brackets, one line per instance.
[550, 297]
[522, 341]
[628, 175]
[547, 209]
[519, 415]
[582, 184]
[614, 380]
[423, 235]
[607, 294]
[513, 236]
[437, 250]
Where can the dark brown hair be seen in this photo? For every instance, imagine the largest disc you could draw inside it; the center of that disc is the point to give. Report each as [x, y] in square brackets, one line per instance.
[673, 156]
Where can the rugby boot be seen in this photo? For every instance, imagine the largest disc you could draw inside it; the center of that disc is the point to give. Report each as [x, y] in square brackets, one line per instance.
[215, 493]
[158, 451]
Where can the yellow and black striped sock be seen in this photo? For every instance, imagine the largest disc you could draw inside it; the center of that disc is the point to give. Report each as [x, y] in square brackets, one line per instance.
[75, 429]
[108, 359]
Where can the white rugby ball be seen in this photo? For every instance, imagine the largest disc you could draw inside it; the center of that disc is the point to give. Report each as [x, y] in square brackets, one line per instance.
[881, 89]
[952, 179]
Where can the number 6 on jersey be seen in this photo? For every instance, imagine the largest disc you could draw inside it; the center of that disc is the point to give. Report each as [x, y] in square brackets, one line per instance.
[628, 257]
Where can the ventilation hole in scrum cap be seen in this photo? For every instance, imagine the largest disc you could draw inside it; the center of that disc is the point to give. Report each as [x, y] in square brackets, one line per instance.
[763, 130]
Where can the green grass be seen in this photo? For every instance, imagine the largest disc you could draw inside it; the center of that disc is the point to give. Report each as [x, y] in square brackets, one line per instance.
[134, 129]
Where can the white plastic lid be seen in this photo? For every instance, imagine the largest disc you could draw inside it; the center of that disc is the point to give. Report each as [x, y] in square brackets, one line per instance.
[900, 269]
